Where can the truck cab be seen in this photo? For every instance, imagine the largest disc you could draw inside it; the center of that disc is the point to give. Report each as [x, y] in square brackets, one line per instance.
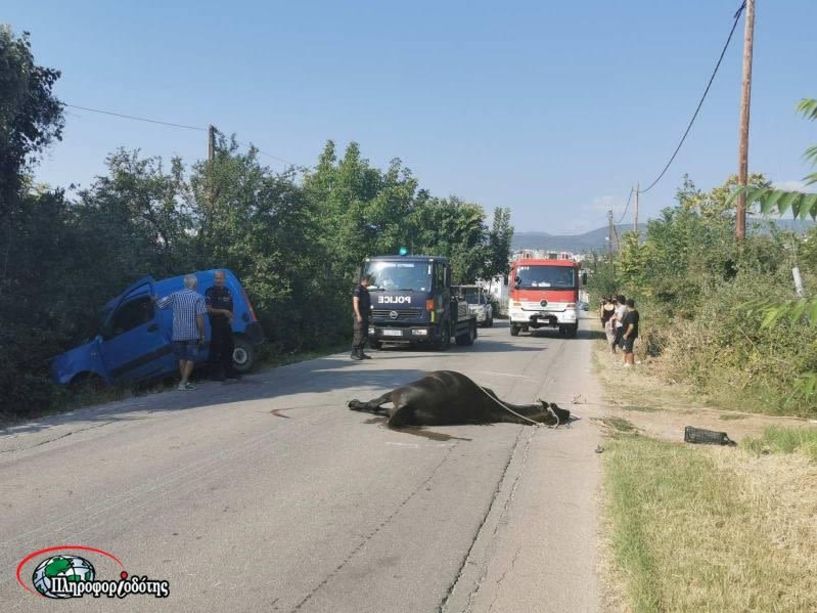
[544, 293]
[412, 303]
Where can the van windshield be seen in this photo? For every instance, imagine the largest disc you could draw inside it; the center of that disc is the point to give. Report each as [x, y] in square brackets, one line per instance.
[471, 295]
[554, 277]
[398, 276]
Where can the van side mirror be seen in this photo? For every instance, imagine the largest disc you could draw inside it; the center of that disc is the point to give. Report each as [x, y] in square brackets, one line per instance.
[584, 278]
[505, 280]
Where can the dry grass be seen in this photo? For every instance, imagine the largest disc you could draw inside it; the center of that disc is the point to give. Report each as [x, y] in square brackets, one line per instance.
[711, 529]
[695, 528]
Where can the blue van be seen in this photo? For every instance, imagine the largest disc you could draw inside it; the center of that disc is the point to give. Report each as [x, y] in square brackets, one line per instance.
[134, 340]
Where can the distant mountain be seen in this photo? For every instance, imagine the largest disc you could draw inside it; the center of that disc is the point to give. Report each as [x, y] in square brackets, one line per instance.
[596, 240]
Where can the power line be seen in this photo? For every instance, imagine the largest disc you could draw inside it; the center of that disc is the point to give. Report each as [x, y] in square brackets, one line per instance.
[703, 97]
[172, 125]
[135, 118]
[626, 208]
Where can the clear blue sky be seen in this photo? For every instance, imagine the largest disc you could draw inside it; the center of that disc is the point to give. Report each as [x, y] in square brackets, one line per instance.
[551, 108]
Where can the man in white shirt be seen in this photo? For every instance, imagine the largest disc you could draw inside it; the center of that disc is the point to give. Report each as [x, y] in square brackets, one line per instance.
[618, 318]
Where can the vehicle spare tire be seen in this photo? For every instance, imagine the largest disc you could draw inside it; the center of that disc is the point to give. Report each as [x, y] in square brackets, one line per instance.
[243, 354]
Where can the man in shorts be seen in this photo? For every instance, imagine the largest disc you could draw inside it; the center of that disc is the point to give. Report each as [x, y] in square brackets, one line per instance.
[630, 332]
[188, 327]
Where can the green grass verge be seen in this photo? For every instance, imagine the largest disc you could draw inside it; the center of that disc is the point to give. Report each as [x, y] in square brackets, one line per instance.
[784, 440]
[687, 536]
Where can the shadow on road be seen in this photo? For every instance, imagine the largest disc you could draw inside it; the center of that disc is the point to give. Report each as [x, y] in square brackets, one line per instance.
[311, 377]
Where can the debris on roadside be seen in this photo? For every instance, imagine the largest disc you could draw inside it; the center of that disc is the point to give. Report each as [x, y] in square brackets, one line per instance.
[578, 399]
[699, 436]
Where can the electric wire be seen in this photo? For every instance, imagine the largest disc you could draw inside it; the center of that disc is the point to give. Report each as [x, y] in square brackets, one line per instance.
[172, 124]
[135, 118]
[627, 207]
[701, 102]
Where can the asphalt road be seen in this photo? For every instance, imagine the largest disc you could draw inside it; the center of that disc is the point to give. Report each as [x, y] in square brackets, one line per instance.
[269, 495]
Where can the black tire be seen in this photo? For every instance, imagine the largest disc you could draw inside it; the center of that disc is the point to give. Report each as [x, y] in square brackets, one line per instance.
[514, 330]
[571, 330]
[445, 337]
[243, 355]
[469, 337]
[376, 345]
[490, 322]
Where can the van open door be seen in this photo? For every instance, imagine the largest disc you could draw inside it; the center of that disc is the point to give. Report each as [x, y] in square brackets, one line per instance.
[132, 344]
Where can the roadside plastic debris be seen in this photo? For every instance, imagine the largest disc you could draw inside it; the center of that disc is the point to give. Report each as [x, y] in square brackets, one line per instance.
[700, 436]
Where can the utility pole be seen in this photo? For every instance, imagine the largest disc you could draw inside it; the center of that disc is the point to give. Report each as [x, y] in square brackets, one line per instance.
[635, 211]
[211, 158]
[211, 143]
[745, 102]
[610, 235]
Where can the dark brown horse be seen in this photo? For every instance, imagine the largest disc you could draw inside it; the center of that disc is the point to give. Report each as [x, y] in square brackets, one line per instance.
[447, 397]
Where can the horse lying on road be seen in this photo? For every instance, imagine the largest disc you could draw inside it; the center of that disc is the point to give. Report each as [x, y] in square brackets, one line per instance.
[447, 397]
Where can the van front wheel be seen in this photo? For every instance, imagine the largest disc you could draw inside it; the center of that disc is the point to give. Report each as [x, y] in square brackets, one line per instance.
[243, 355]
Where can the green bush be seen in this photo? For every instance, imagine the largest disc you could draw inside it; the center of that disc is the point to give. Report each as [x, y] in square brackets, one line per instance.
[701, 300]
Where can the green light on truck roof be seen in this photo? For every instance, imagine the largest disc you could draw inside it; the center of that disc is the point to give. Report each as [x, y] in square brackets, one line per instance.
[403, 251]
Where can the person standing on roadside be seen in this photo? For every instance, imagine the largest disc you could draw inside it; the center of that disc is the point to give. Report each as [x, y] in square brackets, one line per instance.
[630, 332]
[219, 303]
[188, 326]
[361, 306]
[618, 317]
[608, 309]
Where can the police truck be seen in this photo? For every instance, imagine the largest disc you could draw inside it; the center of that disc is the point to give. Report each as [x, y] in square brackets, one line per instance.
[412, 303]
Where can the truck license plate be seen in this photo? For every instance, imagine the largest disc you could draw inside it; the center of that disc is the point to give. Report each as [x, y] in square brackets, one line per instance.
[388, 332]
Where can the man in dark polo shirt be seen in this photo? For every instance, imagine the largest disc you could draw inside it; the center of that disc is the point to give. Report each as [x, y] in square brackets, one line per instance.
[629, 327]
[220, 310]
[361, 305]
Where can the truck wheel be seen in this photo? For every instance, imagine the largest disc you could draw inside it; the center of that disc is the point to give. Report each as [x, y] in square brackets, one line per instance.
[514, 330]
[572, 330]
[376, 345]
[445, 338]
[243, 355]
[469, 337]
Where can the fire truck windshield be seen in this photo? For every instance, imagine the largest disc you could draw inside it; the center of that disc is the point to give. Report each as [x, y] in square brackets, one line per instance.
[399, 276]
[552, 277]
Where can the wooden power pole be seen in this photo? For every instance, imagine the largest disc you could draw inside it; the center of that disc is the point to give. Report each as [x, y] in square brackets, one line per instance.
[745, 103]
[610, 234]
[211, 143]
[635, 210]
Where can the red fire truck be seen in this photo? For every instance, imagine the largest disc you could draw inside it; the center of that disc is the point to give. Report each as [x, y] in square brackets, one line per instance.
[544, 293]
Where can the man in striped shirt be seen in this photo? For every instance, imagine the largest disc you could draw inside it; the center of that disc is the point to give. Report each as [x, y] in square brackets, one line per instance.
[188, 326]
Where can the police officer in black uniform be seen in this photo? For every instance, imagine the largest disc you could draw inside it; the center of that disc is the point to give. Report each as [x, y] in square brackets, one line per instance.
[361, 305]
[220, 310]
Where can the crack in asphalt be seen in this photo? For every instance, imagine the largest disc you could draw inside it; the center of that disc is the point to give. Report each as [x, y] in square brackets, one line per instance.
[482, 525]
[376, 530]
[502, 578]
[502, 514]
[56, 438]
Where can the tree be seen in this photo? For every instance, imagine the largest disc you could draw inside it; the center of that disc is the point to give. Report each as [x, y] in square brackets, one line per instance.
[771, 200]
[30, 115]
[499, 244]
